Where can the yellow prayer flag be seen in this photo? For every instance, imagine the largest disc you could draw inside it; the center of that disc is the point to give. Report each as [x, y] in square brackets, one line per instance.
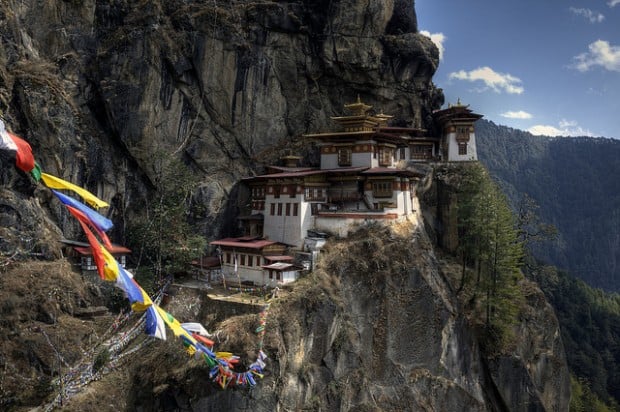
[175, 325]
[111, 266]
[54, 182]
[144, 305]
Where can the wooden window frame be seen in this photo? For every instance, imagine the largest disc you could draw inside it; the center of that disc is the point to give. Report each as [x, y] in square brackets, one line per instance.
[382, 189]
[385, 156]
[344, 156]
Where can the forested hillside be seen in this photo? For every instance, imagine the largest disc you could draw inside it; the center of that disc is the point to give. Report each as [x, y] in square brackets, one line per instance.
[590, 323]
[575, 182]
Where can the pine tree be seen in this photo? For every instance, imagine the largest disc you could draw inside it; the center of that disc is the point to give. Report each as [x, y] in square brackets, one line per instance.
[162, 233]
[489, 242]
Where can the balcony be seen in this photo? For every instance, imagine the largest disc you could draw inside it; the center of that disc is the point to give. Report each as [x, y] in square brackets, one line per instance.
[344, 195]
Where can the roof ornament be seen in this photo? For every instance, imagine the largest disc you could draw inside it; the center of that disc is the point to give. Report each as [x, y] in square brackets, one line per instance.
[458, 104]
[358, 108]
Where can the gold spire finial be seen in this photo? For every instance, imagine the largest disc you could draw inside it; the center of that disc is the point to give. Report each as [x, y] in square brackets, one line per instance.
[358, 108]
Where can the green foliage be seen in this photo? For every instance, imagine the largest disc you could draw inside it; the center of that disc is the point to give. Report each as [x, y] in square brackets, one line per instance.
[488, 241]
[584, 400]
[590, 323]
[161, 234]
[532, 230]
[101, 359]
[575, 183]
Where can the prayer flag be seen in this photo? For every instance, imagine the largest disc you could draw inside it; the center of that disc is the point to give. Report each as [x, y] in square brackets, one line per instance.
[175, 326]
[144, 302]
[96, 248]
[111, 267]
[139, 299]
[102, 223]
[155, 325]
[84, 219]
[195, 327]
[36, 172]
[24, 160]
[54, 182]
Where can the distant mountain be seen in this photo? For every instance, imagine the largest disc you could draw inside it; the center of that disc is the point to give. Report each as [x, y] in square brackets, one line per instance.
[576, 183]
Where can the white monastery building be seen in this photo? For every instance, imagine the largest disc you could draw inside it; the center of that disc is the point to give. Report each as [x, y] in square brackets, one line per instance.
[362, 177]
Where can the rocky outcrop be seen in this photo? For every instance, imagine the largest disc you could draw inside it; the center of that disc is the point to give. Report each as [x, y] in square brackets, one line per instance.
[102, 89]
[378, 327]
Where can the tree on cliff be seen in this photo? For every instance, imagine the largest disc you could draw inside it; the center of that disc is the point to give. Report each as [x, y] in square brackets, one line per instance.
[489, 243]
[162, 234]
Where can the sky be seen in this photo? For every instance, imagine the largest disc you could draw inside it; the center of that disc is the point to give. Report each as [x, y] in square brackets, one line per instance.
[551, 67]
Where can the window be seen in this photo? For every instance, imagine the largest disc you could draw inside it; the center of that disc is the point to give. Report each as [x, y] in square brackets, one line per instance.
[382, 188]
[344, 157]
[317, 194]
[292, 191]
[401, 153]
[278, 276]
[250, 260]
[314, 208]
[462, 133]
[421, 152]
[228, 257]
[258, 192]
[276, 191]
[385, 156]
[279, 209]
[273, 209]
[295, 209]
[288, 209]
[270, 274]
[462, 148]
[242, 257]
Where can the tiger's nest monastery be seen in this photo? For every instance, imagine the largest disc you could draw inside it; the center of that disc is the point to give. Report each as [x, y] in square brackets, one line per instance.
[363, 177]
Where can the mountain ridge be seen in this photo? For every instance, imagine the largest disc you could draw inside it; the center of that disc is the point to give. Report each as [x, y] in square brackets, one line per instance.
[573, 181]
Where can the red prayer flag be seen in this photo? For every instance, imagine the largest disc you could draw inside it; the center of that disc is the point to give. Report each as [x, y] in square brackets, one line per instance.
[96, 249]
[24, 159]
[79, 215]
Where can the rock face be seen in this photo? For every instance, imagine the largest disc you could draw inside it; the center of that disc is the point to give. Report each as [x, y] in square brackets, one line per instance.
[102, 89]
[384, 333]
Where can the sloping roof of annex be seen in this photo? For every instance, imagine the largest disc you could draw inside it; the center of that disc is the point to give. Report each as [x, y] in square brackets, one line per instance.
[243, 242]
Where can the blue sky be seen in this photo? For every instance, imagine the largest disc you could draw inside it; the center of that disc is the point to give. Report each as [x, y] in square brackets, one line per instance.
[551, 67]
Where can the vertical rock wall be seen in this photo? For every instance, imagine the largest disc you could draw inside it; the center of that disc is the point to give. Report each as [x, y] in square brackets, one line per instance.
[102, 88]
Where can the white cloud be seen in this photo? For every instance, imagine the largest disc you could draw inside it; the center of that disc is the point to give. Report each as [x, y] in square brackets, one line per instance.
[564, 124]
[592, 16]
[438, 39]
[612, 3]
[516, 115]
[498, 82]
[600, 53]
[565, 128]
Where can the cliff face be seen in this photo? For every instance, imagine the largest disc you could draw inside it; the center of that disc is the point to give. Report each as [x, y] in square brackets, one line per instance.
[377, 327]
[102, 89]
